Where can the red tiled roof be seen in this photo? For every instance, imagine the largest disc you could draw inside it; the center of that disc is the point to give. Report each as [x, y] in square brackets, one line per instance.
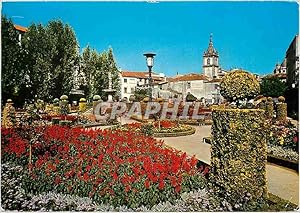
[20, 28]
[134, 74]
[143, 75]
[188, 77]
[278, 75]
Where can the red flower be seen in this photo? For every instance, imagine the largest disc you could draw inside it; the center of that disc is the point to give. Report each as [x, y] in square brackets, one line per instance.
[57, 180]
[147, 184]
[295, 139]
[85, 176]
[127, 188]
[161, 185]
[115, 176]
[177, 189]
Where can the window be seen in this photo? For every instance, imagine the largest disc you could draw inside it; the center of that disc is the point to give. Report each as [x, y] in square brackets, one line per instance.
[125, 80]
[132, 90]
[208, 61]
[125, 89]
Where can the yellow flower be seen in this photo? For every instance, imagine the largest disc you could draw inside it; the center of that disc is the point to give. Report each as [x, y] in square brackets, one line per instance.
[271, 134]
[281, 140]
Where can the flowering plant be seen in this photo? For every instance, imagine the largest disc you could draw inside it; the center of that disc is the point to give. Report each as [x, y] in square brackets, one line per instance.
[284, 134]
[116, 167]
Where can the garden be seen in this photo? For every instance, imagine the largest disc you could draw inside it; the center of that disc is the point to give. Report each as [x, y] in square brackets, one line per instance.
[161, 128]
[49, 162]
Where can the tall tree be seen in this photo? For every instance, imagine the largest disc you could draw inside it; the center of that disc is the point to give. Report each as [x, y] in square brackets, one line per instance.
[52, 59]
[95, 67]
[272, 87]
[12, 61]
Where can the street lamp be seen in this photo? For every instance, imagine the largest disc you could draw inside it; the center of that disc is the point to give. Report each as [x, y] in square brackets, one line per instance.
[150, 61]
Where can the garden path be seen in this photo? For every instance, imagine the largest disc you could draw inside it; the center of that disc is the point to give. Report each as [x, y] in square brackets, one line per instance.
[282, 181]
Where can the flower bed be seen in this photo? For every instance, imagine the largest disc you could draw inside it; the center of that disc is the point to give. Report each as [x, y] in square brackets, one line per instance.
[284, 134]
[115, 167]
[14, 197]
[72, 118]
[164, 128]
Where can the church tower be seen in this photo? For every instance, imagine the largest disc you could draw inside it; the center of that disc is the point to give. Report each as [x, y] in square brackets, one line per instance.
[211, 61]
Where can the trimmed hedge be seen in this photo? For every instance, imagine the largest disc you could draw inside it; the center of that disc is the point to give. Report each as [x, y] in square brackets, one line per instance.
[174, 134]
[238, 85]
[239, 155]
[269, 108]
[281, 113]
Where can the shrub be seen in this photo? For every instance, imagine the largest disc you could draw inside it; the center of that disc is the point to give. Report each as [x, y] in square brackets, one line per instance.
[239, 85]
[239, 155]
[269, 108]
[13, 196]
[281, 112]
[96, 98]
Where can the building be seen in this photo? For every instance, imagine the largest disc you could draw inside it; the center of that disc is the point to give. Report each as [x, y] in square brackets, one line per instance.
[292, 70]
[21, 30]
[133, 80]
[203, 86]
[280, 68]
[292, 63]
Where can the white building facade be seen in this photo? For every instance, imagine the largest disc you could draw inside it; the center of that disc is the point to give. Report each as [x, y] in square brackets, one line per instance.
[133, 80]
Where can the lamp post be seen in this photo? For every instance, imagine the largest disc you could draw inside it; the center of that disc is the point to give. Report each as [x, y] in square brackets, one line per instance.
[149, 61]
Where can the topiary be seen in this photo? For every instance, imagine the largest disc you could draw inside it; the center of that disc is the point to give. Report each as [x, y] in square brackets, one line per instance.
[239, 85]
[96, 97]
[82, 100]
[281, 99]
[64, 97]
[132, 98]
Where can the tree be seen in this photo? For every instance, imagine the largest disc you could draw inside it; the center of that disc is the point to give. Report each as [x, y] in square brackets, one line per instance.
[272, 87]
[190, 97]
[52, 59]
[89, 60]
[95, 67]
[13, 57]
[140, 94]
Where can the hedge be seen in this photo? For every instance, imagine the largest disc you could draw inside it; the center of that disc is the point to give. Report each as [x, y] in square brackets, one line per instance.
[239, 155]
[281, 113]
[174, 134]
[269, 108]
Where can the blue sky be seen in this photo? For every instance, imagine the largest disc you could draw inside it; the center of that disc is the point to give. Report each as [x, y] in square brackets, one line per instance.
[249, 35]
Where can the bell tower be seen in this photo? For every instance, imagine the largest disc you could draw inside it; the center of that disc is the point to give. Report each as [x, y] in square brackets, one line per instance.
[210, 64]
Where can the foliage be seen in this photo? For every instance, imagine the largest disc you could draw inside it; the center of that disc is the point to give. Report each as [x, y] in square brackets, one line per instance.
[190, 97]
[269, 108]
[94, 72]
[13, 196]
[273, 87]
[281, 111]
[284, 134]
[52, 59]
[239, 156]
[13, 65]
[120, 168]
[283, 153]
[140, 94]
[9, 116]
[49, 63]
[239, 85]
[166, 126]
